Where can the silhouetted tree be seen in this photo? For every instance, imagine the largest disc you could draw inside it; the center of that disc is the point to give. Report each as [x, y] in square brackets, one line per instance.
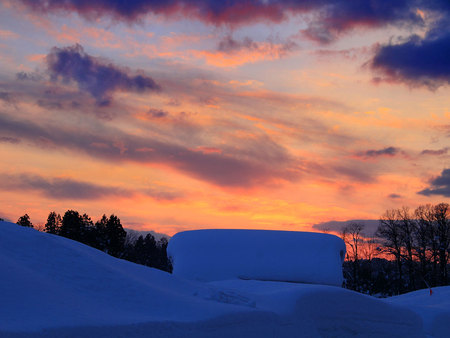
[72, 226]
[352, 236]
[101, 241]
[425, 245]
[389, 232]
[408, 229]
[25, 221]
[53, 223]
[442, 218]
[115, 236]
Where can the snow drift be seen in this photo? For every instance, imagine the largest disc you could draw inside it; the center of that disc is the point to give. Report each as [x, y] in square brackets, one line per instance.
[434, 309]
[291, 256]
[54, 287]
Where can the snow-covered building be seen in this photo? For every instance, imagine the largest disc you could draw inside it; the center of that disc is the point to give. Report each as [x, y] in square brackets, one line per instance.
[290, 256]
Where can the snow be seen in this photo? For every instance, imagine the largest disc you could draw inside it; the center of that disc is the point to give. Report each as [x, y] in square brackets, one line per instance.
[434, 309]
[292, 256]
[54, 287]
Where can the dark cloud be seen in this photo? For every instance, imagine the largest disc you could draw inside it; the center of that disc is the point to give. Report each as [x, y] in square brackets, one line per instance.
[394, 196]
[60, 188]
[440, 185]
[23, 76]
[94, 75]
[370, 226]
[437, 152]
[258, 163]
[417, 62]
[389, 151]
[12, 140]
[229, 45]
[51, 105]
[337, 16]
[156, 113]
[5, 96]
[357, 173]
[65, 188]
[328, 19]
[162, 195]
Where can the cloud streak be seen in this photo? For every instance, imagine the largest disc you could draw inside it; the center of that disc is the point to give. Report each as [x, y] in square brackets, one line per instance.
[60, 188]
[71, 189]
[373, 153]
[260, 163]
[94, 75]
[327, 18]
[436, 152]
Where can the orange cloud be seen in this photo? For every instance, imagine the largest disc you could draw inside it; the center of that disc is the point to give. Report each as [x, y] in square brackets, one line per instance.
[263, 51]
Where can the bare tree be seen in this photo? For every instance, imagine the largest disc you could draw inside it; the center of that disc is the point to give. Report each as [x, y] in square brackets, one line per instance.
[352, 236]
[425, 244]
[407, 230]
[369, 248]
[442, 218]
[389, 232]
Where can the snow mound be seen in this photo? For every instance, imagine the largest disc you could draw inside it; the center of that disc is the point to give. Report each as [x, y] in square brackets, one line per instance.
[50, 281]
[54, 287]
[434, 309]
[210, 255]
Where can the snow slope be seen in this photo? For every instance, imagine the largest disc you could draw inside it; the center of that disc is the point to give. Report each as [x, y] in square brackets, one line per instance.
[54, 287]
[291, 256]
[434, 309]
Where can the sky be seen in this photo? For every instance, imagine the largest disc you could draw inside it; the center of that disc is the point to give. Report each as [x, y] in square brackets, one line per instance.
[179, 115]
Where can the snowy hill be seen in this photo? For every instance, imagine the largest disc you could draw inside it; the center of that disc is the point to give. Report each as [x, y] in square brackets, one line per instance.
[55, 287]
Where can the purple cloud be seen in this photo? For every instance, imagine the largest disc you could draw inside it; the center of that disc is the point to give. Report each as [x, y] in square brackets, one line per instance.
[257, 164]
[60, 188]
[337, 16]
[12, 140]
[389, 151]
[154, 113]
[418, 61]
[330, 16]
[439, 185]
[94, 75]
[437, 152]
[66, 188]
[370, 225]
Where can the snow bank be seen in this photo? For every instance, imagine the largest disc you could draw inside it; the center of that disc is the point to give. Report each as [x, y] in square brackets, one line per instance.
[50, 281]
[54, 287]
[434, 309]
[306, 257]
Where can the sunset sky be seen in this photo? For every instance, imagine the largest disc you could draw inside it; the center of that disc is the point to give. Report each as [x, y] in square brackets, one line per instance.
[178, 115]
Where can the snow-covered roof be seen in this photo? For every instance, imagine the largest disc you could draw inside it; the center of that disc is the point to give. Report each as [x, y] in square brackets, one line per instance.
[291, 256]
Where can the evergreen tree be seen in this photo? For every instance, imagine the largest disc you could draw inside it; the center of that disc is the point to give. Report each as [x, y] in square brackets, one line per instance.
[115, 236]
[25, 221]
[72, 225]
[53, 223]
[101, 240]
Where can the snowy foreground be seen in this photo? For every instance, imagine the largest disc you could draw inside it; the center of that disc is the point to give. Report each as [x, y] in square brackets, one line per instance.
[54, 287]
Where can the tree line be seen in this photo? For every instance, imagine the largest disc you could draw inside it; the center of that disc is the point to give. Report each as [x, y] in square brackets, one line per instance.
[107, 235]
[417, 243]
